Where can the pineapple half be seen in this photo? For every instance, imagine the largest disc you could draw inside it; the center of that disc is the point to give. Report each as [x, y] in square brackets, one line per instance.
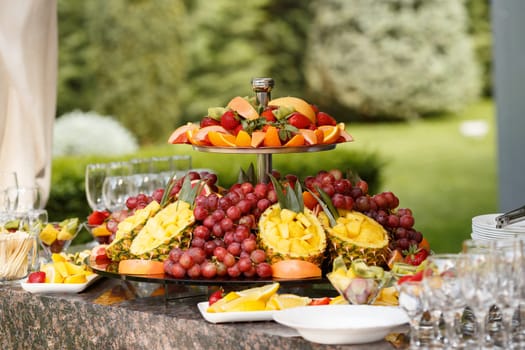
[171, 227]
[356, 236]
[127, 229]
[288, 230]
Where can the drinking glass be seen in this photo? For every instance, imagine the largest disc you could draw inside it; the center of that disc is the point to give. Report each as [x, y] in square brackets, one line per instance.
[143, 176]
[478, 278]
[8, 179]
[118, 185]
[94, 180]
[411, 300]
[23, 199]
[510, 271]
[181, 165]
[443, 286]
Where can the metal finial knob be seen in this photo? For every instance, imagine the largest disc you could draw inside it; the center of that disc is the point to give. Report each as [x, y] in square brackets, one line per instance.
[262, 88]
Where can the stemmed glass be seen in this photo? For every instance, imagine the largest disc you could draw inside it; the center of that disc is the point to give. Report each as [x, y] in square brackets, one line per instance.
[478, 278]
[442, 284]
[8, 179]
[23, 199]
[510, 273]
[144, 178]
[118, 185]
[411, 300]
[94, 180]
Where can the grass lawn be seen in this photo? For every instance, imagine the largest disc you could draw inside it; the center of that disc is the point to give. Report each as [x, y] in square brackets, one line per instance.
[443, 176]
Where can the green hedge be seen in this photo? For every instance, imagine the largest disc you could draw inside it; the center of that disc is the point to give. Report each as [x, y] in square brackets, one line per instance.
[67, 197]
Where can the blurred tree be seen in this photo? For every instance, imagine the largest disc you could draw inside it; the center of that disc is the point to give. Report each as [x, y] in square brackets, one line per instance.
[480, 29]
[75, 83]
[139, 62]
[395, 58]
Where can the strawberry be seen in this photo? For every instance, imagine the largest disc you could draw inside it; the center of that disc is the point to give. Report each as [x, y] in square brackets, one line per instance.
[414, 255]
[300, 121]
[229, 120]
[325, 119]
[216, 296]
[207, 121]
[268, 114]
[315, 108]
[320, 301]
[237, 129]
[97, 217]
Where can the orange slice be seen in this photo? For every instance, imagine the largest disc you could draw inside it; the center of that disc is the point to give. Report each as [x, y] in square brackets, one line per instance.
[180, 135]
[200, 137]
[243, 139]
[310, 137]
[257, 138]
[220, 139]
[320, 135]
[243, 108]
[271, 138]
[296, 140]
[309, 201]
[330, 133]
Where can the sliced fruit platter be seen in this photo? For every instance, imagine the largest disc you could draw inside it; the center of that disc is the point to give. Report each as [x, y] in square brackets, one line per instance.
[283, 230]
[285, 122]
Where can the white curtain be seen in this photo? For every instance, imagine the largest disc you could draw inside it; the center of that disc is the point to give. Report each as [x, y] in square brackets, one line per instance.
[28, 74]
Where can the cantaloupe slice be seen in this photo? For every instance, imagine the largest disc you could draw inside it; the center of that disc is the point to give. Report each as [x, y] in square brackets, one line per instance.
[257, 138]
[300, 106]
[295, 141]
[243, 108]
[271, 138]
[310, 137]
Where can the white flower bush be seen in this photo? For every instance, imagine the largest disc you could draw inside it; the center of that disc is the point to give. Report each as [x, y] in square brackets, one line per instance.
[88, 133]
[400, 58]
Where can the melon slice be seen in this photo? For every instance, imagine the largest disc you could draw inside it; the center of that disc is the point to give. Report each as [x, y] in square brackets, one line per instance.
[243, 108]
[300, 106]
[180, 134]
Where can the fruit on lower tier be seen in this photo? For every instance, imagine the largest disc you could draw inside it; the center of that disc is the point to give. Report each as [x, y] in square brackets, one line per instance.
[288, 230]
[140, 267]
[357, 236]
[128, 229]
[295, 269]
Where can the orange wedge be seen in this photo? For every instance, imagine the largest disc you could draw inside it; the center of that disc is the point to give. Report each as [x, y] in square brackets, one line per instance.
[271, 138]
[296, 140]
[220, 139]
[257, 138]
[309, 201]
[310, 137]
[200, 137]
[180, 135]
[330, 133]
[243, 139]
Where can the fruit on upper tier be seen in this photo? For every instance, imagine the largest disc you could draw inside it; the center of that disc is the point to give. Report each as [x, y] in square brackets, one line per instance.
[285, 122]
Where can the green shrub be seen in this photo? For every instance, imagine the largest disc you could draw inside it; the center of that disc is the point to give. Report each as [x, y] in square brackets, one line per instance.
[397, 58]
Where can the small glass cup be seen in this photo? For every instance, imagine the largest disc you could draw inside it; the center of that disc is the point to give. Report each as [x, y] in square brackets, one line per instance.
[23, 199]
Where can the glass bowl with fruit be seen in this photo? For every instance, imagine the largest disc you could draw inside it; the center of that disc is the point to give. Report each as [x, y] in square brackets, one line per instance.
[359, 283]
[56, 237]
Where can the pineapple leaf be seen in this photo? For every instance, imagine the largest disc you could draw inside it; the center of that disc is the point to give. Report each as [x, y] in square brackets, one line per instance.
[188, 193]
[289, 198]
[247, 176]
[167, 190]
[332, 217]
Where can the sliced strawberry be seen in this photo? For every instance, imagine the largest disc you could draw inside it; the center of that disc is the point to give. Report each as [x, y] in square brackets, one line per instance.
[268, 114]
[229, 120]
[325, 119]
[97, 217]
[300, 121]
[207, 121]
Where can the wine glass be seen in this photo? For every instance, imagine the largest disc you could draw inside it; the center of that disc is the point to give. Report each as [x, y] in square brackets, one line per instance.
[478, 279]
[118, 185]
[181, 165]
[144, 178]
[510, 269]
[8, 179]
[94, 180]
[23, 199]
[411, 300]
[442, 284]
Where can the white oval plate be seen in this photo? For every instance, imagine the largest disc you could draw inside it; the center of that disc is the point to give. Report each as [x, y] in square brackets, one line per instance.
[58, 287]
[244, 316]
[342, 324]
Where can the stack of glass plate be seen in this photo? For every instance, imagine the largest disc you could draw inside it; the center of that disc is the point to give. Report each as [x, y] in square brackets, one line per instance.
[484, 228]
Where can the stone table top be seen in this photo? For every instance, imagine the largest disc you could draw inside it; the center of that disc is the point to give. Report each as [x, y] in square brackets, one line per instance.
[119, 314]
